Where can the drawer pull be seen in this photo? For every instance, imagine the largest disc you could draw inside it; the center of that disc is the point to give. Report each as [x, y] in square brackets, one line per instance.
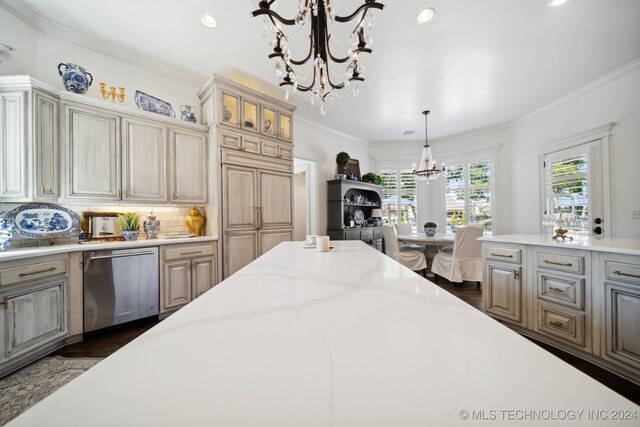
[563, 264]
[562, 291]
[516, 275]
[622, 273]
[5, 302]
[501, 255]
[190, 253]
[556, 323]
[38, 272]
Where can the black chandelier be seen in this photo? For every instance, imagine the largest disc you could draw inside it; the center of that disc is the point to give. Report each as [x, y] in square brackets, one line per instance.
[321, 80]
[424, 172]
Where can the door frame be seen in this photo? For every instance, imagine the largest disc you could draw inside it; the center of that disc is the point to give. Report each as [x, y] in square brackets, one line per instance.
[310, 168]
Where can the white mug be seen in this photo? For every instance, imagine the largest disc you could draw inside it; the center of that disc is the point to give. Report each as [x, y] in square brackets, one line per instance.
[311, 240]
[323, 243]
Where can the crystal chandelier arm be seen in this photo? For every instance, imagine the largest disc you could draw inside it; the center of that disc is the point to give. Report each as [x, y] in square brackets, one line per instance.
[273, 15]
[306, 59]
[368, 5]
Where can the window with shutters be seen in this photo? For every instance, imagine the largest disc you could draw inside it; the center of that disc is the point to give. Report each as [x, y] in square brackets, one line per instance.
[567, 190]
[398, 197]
[468, 195]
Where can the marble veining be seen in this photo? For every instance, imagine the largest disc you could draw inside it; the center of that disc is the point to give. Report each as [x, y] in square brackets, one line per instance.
[302, 338]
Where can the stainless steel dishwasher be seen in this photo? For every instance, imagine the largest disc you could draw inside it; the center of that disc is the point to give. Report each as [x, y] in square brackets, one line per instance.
[120, 286]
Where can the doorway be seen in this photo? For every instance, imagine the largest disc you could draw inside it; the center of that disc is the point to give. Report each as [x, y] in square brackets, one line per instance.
[305, 196]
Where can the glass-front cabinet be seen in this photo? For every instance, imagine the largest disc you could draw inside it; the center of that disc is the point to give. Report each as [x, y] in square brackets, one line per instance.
[284, 121]
[230, 109]
[269, 121]
[250, 116]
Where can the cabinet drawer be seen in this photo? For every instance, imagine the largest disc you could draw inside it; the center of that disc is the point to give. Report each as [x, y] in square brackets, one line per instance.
[33, 272]
[231, 141]
[366, 234]
[504, 254]
[250, 145]
[285, 153]
[568, 263]
[622, 272]
[352, 235]
[269, 149]
[562, 324]
[378, 234]
[568, 291]
[187, 251]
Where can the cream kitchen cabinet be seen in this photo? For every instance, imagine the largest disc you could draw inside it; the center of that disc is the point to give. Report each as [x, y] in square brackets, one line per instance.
[28, 140]
[188, 167]
[33, 309]
[582, 296]
[113, 156]
[144, 161]
[502, 294]
[188, 271]
[93, 146]
[621, 323]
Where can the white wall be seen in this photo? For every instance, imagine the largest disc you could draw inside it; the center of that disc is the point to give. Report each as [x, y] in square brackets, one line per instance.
[614, 98]
[314, 142]
[19, 35]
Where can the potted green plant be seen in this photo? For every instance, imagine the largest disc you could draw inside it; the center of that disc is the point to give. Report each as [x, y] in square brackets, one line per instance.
[372, 178]
[430, 228]
[129, 224]
[342, 159]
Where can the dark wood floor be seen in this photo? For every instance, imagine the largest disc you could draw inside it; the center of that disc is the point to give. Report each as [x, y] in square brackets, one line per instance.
[103, 343]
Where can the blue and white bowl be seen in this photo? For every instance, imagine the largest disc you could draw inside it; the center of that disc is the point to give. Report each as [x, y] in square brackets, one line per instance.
[75, 78]
[6, 233]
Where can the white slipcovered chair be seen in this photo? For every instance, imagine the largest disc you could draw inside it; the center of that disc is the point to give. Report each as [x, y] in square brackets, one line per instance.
[405, 228]
[465, 261]
[411, 259]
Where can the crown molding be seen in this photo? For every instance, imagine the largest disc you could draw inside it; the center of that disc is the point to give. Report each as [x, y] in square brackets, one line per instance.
[616, 74]
[325, 128]
[52, 28]
[444, 139]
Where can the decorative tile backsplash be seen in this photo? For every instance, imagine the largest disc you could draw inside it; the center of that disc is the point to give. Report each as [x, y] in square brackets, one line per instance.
[171, 219]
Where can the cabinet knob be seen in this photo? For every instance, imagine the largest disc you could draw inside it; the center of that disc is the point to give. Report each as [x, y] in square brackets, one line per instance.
[42, 189]
[5, 302]
[516, 275]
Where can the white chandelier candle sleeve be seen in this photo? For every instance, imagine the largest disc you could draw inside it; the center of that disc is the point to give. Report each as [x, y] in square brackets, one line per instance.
[319, 71]
[424, 172]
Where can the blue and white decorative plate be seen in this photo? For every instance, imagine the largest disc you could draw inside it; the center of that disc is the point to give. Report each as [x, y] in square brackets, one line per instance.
[153, 104]
[358, 217]
[6, 233]
[45, 220]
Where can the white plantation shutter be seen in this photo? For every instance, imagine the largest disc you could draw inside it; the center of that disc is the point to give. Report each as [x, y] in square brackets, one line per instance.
[398, 196]
[468, 194]
[567, 189]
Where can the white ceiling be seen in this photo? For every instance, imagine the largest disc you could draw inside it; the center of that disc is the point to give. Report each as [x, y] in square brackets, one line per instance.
[477, 64]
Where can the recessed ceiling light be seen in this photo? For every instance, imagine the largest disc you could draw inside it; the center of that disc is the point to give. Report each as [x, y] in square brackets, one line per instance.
[209, 21]
[557, 2]
[426, 15]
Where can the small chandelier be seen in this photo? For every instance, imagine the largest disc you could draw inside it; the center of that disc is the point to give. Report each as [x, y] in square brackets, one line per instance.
[424, 172]
[320, 80]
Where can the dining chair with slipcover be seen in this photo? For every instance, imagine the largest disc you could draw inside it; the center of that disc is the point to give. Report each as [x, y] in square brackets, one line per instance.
[465, 261]
[413, 260]
[405, 228]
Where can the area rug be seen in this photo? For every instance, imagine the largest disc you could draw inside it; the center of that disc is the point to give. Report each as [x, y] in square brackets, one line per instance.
[26, 387]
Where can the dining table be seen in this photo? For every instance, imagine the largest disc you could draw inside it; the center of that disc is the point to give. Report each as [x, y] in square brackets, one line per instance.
[431, 244]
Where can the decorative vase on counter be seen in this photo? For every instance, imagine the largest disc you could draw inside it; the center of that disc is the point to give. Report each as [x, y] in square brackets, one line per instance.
[194, 221]
[151, 226]
[130, 234]
[6, 233]
[75, 78]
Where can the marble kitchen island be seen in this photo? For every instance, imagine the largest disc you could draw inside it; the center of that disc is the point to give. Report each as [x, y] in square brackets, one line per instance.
[344, 338]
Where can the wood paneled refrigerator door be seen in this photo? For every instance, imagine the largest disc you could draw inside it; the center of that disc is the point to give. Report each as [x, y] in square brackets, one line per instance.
[241, 198]
[275, 201]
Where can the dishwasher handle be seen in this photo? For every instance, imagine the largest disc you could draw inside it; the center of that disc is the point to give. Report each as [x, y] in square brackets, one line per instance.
[121, 255]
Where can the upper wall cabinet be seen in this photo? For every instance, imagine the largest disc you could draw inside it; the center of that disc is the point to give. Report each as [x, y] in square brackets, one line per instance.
[94, 152]
[29, 156]
[144, 160]
[188, 167]
[233, 105]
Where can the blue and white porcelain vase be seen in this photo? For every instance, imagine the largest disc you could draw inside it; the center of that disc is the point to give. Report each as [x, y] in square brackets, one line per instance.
[188, 113]
[6, 233]
[75, 78]
[130, 234]
[151, 226]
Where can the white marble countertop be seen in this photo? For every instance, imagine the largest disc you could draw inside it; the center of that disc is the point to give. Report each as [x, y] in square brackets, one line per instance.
[346, 338]
[35, 251]
[605, 244]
